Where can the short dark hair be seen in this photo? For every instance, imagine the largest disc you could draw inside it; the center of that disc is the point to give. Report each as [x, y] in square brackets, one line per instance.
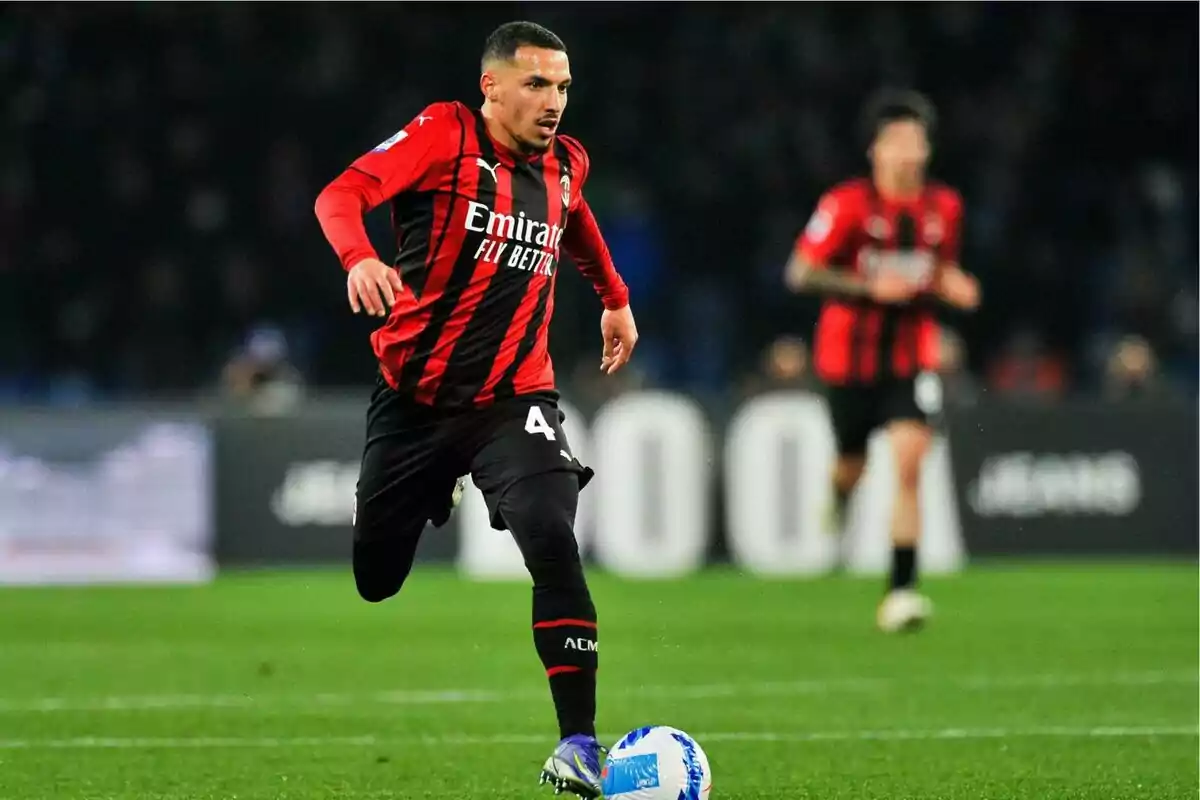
[892, 105]
[503, 43]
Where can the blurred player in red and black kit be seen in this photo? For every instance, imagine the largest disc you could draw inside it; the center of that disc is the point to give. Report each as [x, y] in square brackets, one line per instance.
[481, 202]
[883, 250]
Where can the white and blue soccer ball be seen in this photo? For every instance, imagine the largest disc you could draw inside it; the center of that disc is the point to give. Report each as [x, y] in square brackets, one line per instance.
[656, 763]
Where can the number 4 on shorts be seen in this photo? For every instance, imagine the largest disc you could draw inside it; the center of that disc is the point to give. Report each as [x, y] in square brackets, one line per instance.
[536, 423]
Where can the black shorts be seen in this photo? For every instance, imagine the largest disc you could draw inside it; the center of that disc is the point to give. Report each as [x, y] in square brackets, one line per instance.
[414, 454]
[858, 410]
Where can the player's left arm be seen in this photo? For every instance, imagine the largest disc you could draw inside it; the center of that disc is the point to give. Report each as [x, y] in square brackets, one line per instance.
[953, 284]
[585, 244]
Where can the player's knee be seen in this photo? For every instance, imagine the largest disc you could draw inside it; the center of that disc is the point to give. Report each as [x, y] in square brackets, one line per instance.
[374, 591]
[379, 570]
[376, 583]
[540, 512]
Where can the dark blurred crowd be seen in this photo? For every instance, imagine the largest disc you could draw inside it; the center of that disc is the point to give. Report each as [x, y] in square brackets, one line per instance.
[161, 163]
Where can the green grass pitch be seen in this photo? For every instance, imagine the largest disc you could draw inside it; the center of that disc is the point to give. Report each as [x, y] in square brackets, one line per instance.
[1034, 681]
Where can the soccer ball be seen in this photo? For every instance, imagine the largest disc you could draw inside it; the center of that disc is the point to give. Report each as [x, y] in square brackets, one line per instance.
[656, 763]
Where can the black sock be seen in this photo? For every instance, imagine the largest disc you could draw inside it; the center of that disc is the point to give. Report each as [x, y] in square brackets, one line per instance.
[574, 696]
[565, 634]
[904, 567]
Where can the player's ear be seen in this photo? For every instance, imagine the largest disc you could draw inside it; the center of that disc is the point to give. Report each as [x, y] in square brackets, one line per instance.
[489, 86]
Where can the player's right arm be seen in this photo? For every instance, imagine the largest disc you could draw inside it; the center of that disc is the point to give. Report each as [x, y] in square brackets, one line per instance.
[825, 236]
[405, 162]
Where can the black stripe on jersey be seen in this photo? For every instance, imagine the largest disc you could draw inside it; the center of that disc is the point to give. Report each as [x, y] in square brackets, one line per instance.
[460, 275]
[506, 386]
[888, 325]
[861, 326]
[859, 334]
[902, 238]
[477, 349]
[413, 258]
[894, 336]
[412, 221]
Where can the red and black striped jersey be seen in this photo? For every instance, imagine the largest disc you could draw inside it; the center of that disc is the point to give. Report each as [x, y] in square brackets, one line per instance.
[478, 230]
[856, 228]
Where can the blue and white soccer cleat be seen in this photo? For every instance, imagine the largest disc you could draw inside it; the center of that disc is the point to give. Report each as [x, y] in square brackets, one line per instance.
[574, 766]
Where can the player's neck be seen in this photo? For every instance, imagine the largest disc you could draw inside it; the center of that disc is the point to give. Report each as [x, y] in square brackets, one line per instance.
[898, 187]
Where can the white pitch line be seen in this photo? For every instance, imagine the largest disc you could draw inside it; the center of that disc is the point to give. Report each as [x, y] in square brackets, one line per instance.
[217, 742]
[961, 733]
[169, 702]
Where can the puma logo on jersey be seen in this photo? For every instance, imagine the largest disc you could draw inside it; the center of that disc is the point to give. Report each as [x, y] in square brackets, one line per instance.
[489, 167]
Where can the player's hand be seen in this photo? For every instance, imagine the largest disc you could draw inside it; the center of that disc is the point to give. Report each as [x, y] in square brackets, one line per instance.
[619, 332]
[891, 288]
[373, 286]
[958, 288]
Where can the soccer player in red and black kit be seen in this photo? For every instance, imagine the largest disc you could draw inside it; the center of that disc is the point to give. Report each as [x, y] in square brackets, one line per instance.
[481, 201]
[883, 250]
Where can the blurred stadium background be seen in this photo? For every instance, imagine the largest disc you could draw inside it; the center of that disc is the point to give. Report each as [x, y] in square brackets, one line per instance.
[182, 393]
